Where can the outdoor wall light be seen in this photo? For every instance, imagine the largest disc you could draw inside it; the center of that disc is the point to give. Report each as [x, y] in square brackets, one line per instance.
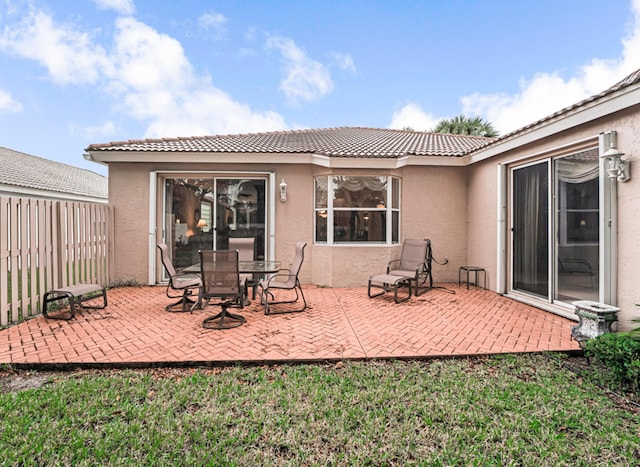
[283, 191]
[614, 165]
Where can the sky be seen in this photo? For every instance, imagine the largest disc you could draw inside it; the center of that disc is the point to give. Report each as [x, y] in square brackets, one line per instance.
[75, 73]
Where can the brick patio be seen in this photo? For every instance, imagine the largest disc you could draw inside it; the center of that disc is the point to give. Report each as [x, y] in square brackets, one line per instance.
[135, 330]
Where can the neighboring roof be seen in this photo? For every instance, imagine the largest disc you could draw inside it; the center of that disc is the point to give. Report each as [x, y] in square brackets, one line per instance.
[332, 142]
[22, 170]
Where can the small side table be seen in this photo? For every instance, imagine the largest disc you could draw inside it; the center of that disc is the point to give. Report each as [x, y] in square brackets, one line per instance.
[476, 270]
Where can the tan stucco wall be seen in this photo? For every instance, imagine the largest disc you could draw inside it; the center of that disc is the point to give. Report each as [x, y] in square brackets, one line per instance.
[628, 126]
[433, 206]
[129, 194]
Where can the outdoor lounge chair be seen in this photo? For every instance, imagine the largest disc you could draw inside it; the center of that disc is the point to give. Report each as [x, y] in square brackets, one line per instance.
[284, 280]
[221, 279]
[182, 282]
[414, 264]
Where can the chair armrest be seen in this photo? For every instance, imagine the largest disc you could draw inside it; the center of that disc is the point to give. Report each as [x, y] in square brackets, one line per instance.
[279, 275]
[390, 264]
[183, 274]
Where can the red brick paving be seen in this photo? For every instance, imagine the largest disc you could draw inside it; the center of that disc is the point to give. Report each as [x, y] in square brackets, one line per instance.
[135, 330]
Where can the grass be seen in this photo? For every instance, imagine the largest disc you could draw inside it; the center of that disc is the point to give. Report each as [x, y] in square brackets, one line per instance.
[509, 410]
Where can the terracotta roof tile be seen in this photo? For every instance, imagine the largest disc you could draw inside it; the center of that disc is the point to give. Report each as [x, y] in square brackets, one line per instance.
[23, 170]
[333, 142]
[344, 141]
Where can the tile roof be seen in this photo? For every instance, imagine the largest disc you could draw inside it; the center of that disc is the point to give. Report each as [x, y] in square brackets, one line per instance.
[333, 142]
[23, 170]
[345, 141]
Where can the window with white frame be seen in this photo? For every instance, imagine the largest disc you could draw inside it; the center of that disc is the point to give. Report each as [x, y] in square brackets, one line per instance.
[350, 209]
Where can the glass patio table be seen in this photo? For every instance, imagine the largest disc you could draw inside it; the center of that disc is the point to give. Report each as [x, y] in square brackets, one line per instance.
[258, 269]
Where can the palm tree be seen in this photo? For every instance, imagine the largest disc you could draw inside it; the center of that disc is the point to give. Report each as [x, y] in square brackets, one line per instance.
[462, 125]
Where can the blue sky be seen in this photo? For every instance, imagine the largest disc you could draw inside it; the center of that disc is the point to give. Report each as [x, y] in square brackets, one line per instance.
[73, 73]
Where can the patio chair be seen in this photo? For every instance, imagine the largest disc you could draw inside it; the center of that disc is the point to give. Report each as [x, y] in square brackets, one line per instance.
[414, 264]
[178, 281]
[245, 247]
[221, 279]
[284, 280]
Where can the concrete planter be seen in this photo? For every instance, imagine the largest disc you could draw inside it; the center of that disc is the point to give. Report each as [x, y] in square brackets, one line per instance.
[595, 319]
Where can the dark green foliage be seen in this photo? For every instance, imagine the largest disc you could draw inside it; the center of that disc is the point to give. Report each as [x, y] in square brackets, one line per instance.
[620, 354]
[462, 125]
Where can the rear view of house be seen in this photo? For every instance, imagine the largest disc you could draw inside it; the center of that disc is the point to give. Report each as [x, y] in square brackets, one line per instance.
[550, 210]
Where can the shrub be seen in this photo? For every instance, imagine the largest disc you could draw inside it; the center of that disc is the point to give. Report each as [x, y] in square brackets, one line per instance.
[620, 354]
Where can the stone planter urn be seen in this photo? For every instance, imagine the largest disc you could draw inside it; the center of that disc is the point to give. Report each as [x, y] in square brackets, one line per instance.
[595, 319]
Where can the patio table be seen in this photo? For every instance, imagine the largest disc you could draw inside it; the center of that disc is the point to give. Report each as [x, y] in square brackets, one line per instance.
[259, 269]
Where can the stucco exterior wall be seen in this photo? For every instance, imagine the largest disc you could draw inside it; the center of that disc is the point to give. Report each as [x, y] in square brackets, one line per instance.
[628, 126]
[483, 204]
[434, 206]
[129, 194]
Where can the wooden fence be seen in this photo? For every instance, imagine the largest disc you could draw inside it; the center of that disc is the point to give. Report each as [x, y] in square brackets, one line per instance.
[46, 244]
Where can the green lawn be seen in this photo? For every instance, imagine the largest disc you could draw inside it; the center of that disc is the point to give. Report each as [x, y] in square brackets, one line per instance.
[509, 410]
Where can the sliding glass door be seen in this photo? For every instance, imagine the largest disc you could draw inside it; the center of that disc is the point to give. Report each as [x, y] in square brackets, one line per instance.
[203, 213]
[530, 230]
[577, 224]
[555, 231]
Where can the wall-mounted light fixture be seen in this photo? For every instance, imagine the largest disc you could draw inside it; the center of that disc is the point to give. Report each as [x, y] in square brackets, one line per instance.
[614, 165]
[283, 191]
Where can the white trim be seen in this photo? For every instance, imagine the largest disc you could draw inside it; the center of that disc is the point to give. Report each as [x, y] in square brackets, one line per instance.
[153, 184]
[608, 231]
[501, 266]
[546, 306]
[271, 210]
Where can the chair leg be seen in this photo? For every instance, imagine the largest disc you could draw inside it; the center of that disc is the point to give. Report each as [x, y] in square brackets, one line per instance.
[224, 319]
[186, 303]
[267, 304]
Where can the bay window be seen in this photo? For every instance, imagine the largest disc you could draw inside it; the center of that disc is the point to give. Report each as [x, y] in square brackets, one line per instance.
[350, 209]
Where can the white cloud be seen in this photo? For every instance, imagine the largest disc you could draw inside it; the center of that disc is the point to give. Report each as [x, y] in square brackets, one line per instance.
[69, 55]
[306, 79]
[215, 22]
[547, 93]
[157, 84]
[343, 61]
[8, 103]
[124, 7]
[103, 131]
[146, 73]
[412, 116]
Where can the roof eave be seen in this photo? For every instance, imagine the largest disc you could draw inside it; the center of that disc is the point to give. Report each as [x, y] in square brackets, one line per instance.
[320, 160]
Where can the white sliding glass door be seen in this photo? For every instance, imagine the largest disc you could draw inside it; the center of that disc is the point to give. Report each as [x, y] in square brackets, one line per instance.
[555, 228]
